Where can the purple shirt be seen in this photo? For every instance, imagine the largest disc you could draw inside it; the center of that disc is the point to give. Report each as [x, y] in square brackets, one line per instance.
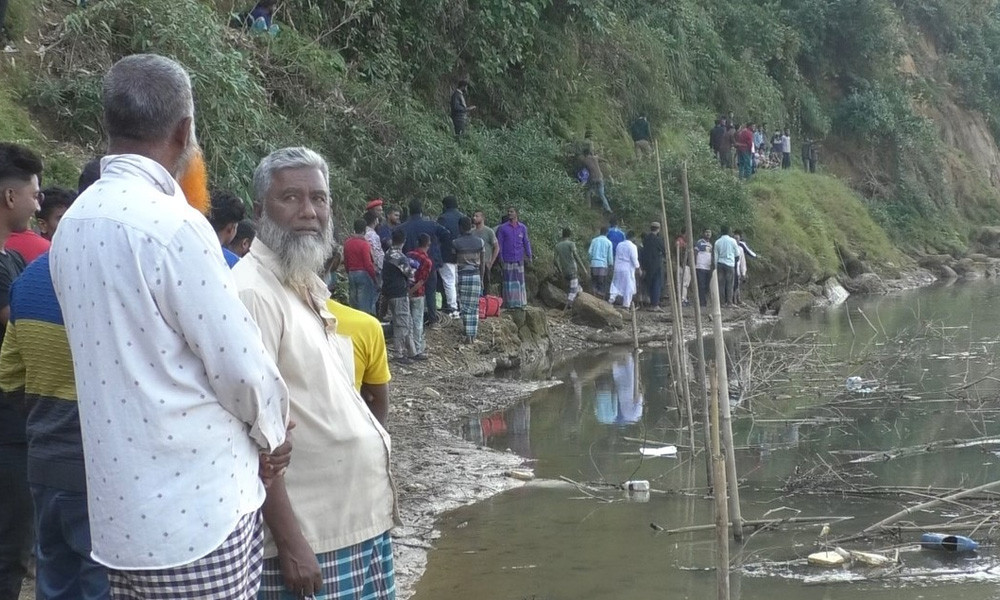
[513, 242]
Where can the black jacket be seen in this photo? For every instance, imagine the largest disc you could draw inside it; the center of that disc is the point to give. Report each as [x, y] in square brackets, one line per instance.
[440, 236]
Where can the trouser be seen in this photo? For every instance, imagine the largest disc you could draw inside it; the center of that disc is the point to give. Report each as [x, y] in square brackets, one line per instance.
[654, 287]
[430, 305]
[402, 326]
[736, 288]
[724, 159]
[65, 570]
[599, 281]
[786, 160]
[704, 279]
[460, 123]
[487, 280]
[449, 275]
[727, 276]
[361, 291]
[15, 519]
[598, 187]
[683, 282]
[643, 149]
[745, 164]
[417, 321]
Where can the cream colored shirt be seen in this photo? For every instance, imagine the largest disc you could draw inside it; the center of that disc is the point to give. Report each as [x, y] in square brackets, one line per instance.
[338, 481]
[177, 394]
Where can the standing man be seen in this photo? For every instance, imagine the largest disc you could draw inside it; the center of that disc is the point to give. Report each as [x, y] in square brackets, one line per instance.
[727, 145]
[471, 255]
[786, 150]
[683, 267]
[460, 108]
[515, 249]
[20, 171]
[741, 265]
[396, 289]
[449, 219]
[715, 140]
[567, 259]
[642, 138]
[626, 268]
[596, 181]
[374, 241]
[440, 239]
[176, 391]
[225, 213]
[744, 149]
[615, 234]
[491, 248]
[602, 258]
[385, 229]
[333, 507]
[806, 152]
[652, 259]
[703, 265]
[361, 274]
[726, 251]
[418, 300]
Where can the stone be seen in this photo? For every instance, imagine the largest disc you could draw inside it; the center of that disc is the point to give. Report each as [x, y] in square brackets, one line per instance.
[795, 302]
[431, 392]
[932, 262]
[535, 327]
[551, 295]
[834, 292]
[866, 284]
[947, 273]
[591, 310]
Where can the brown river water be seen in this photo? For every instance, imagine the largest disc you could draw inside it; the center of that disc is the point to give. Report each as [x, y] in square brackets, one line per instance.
[550, 540]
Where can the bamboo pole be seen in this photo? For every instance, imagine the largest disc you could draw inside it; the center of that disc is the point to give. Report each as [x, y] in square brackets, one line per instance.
[719, 485]
[699, 337]
[727, 421]
[635, 328]
[679, 352]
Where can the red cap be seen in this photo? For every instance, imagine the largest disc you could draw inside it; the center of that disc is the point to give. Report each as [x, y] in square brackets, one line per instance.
[374, 203]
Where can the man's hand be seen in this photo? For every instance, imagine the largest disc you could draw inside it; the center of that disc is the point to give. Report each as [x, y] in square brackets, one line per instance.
[299, 568]
[275, 464]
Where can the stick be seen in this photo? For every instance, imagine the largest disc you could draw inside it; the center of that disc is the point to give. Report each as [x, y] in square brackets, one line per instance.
[719, 486]
[768, 523]
[906, 511]
[635, 330]
[699, 338]
[727, 421]
[888, 455]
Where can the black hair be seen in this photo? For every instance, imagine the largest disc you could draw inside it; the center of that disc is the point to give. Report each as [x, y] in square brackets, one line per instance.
[55, 197]
[724, 230]
[604, 230]
[245, 230]
[613, 221]
[370, 218]
[359, 225]
[18, 162]
[630, 235]
[226, 208]
[416, 207]
[566, 232]
[463, 83]
[91, 172]
[399, 236]
[391, 209]
[449, 202]
[737, 232]
[465, 224]
[423, 240]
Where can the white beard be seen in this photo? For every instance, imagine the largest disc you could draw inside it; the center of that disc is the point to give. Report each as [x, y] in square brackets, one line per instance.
[301, 256]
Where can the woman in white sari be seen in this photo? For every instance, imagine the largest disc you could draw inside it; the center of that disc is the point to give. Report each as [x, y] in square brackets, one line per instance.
[626, 266]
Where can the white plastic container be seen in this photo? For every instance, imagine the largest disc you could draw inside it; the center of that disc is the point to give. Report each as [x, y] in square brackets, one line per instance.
[639, 485]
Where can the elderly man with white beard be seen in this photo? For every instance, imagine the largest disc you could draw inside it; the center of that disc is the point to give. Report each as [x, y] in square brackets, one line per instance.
[328, 517]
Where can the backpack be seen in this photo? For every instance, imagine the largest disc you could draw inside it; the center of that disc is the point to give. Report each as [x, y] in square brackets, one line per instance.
[489, 306]
[583, 175]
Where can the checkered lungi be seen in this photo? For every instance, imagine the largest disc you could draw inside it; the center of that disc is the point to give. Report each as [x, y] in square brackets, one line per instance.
[469, 287]
[514, 293]
[230, 572]
[363, 571]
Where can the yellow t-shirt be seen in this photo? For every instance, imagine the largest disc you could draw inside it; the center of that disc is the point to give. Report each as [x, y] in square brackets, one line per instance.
[371, 363]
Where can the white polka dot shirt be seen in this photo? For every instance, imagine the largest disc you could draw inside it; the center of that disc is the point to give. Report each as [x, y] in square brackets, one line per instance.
[177, 394]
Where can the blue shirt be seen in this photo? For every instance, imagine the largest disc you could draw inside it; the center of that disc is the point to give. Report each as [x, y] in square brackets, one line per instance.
[726, 251]
[602, 252]
[616, 236]
[230, 256]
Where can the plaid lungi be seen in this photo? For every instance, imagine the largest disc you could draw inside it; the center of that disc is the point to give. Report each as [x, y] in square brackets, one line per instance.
[230, 572]
[469, 287]
[514, 293]
[363, 571]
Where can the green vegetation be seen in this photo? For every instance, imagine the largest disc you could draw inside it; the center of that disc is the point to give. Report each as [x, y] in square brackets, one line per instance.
[367, 84]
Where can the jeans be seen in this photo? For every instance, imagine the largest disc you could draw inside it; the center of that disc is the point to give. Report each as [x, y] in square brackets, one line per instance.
[598, 186]
[704, 279]
[786, 160]
[430, 305]
[654, 287]
[402, 327]
[449, 277]
[15, 519]
[746, 165]
[417, 324]
[65, 569]
[361, 290]
[727, 276]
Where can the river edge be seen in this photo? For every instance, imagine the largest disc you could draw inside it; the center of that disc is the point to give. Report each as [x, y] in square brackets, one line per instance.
[436, 470]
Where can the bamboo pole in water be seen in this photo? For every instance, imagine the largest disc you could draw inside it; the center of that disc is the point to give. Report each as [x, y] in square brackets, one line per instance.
[727, 422]
[635, 328]
[719, 485]
[699, 337]
[678, 341]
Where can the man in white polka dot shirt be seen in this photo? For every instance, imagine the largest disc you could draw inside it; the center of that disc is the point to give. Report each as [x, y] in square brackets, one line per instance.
[177, 395]
[328, 517]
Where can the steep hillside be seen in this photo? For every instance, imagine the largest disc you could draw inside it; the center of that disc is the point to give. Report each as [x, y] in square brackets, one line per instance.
[901, 95]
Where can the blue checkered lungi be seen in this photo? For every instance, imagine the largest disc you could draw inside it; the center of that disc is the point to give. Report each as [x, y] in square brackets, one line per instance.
[515, 295]
[470, 286]
[363, 571]
[230, 572]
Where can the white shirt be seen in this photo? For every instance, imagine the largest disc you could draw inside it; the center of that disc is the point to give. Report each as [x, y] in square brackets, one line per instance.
[786, 146]
[338, 481]
[176, 392]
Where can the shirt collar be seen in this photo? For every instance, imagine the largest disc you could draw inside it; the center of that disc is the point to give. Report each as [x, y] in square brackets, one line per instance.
[135, 165]
[313, 293]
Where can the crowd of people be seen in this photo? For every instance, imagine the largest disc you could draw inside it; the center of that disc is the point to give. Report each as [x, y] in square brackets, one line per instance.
[747, 147]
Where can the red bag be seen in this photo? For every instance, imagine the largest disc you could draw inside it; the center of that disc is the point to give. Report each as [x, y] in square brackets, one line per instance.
[489, 306]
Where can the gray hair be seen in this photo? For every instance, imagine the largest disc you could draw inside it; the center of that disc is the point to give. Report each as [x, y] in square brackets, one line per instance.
[298, 157]
[145, 96]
